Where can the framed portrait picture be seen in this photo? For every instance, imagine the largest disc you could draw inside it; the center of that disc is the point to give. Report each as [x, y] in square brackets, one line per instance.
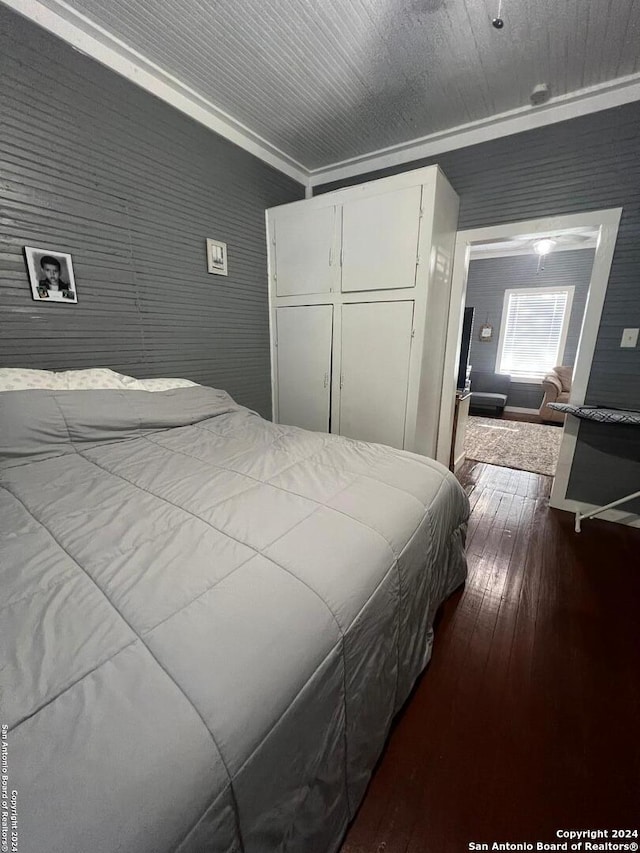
[216, 257]
[51, 276]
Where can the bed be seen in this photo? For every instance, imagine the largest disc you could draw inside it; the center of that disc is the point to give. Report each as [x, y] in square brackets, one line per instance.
[209, 621]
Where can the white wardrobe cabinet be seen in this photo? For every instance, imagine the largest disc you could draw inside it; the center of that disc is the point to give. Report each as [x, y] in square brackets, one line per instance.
[359, 293]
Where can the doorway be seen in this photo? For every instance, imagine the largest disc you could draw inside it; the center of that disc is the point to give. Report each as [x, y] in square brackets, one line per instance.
[538, 259]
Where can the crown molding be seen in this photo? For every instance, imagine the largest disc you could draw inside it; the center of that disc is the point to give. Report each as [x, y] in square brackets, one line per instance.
[89, 38]
[615, 93]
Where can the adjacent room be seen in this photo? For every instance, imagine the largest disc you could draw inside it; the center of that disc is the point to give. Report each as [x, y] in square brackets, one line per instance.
[319, 426]
[524, 310]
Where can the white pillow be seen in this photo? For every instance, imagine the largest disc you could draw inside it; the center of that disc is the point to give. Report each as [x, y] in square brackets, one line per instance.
[164, 384]
[95, 378]
[23, 378]
[91, 379]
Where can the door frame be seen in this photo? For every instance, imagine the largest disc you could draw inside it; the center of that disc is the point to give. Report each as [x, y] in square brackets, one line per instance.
[607, 222]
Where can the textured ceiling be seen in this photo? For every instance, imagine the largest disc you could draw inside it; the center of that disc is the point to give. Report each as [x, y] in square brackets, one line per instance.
[325, 80]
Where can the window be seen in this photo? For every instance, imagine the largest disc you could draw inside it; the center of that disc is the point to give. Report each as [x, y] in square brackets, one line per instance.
[533, 331]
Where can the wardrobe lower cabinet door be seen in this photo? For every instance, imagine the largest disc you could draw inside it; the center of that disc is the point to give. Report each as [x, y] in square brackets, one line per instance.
[375, 352]
[304, 336]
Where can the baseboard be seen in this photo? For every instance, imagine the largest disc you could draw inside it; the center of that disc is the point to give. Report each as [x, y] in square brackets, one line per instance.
[457, 463]
[517, 410]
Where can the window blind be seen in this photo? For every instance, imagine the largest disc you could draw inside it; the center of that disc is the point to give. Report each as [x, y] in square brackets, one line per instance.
[534, 329]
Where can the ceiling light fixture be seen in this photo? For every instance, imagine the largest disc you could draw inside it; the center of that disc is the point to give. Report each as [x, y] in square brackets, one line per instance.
[543, 247]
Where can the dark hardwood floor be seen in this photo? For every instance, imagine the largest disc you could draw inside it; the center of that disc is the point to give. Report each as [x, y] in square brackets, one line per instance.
[526, 720]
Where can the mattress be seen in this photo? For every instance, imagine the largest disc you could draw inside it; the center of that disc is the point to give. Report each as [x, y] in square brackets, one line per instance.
[208, 620]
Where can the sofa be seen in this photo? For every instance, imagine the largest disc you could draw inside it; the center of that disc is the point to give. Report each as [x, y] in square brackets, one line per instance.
[489, 390]
[557, 389]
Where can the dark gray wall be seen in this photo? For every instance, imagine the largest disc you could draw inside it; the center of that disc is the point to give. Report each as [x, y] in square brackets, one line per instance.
[587, 163]
[490, 277]
[92, 165]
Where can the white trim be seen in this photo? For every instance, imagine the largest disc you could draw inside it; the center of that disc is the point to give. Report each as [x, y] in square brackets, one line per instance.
[522, 411]
[607, 222]
[613, 93]
[457, 463]
[59, 18]
[569, 290]
[586, 347]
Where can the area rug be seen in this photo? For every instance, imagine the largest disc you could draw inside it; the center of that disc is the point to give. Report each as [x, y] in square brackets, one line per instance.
[513, 444]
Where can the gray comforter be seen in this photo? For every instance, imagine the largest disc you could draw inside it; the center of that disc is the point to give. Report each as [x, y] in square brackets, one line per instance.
[208, 620]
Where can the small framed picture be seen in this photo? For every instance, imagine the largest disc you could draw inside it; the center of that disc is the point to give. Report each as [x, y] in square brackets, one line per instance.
[51, 276]
[216, 257]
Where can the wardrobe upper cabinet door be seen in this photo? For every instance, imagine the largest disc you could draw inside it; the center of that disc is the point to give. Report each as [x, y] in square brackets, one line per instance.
[304, 365]
[375, 351]
[380, 240]
[306, 256]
